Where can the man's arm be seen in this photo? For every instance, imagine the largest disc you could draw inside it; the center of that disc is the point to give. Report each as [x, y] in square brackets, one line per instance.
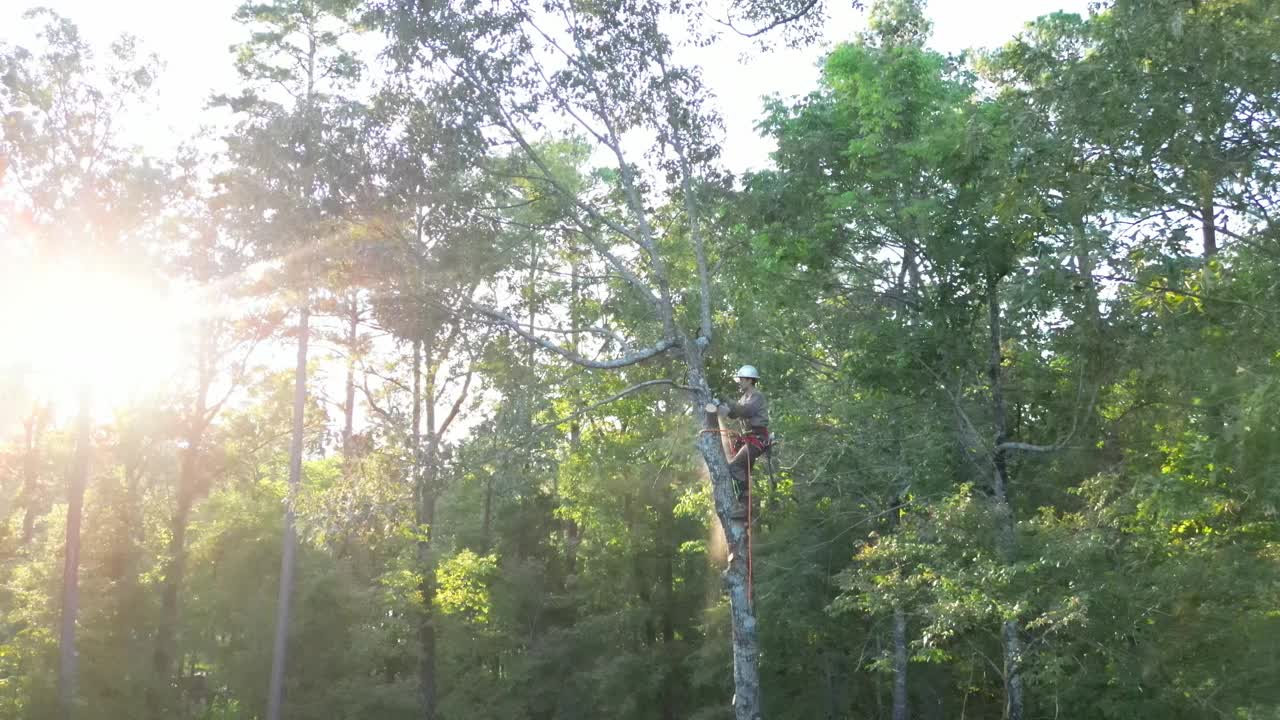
[748, 408]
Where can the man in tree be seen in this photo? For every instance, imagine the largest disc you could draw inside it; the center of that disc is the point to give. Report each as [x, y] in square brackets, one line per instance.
[753, 409]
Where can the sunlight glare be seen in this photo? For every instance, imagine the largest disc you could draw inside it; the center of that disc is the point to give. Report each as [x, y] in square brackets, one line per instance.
[74, 324]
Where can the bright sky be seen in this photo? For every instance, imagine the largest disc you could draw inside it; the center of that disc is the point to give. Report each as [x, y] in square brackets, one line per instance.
[193, 39]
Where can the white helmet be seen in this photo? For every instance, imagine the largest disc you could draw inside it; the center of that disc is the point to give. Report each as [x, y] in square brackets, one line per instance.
[748, 371]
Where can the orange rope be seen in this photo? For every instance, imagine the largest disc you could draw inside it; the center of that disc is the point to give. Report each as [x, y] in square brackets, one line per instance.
[750, 589]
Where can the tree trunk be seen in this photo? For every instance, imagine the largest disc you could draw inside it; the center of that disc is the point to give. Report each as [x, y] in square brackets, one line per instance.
[1208, 225]
[67, 654]
[900, 656]
[424, 476]
[570, 533]
[427, 586]
[487, 521]
[349, 404]
[1086, 267]
[30, 473]
[279, 650]
[167, 634]
[746, 643]
[666, 580]
[899, 664]
[1005, 539]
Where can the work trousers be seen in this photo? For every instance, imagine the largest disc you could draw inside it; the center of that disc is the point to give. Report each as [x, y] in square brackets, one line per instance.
[739, 464]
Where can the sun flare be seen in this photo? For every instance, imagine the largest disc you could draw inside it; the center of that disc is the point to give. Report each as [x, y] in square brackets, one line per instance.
[74, 324]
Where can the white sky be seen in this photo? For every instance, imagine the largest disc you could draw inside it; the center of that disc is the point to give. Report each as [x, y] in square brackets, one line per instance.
[193, 39]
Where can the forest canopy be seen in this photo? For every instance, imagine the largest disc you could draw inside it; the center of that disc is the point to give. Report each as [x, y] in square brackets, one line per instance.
[402, 393]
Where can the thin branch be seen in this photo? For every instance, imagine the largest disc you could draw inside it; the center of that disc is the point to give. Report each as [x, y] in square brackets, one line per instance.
[373, 405]
[457, 406]
[630, 359]
[809, 6]
[613, 398]
[593, 330]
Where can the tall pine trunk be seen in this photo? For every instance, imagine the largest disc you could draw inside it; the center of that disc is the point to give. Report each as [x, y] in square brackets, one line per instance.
[159, 696]
[899, 664]
[424, 471]
[666, 583]
[1010, 634]
[900, 655]
[32, 428]
[279, 649]
[1208, 221]
[68, 666]
[349, 400]
[166, 651]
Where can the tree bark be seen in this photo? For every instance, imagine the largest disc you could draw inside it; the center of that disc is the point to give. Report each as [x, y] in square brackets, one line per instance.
[899, 664]
[424, 469]
[666, 580]
[349, 404]
[746, 642]
[166, 650]
[67, 655]
[1208, 226]
[900, 656]
[1005, 540]
[30, 472]
[279, 650]
[1086, 268]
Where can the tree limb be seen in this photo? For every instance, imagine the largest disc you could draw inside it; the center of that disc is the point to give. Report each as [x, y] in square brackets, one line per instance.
[805, 10]
[629, 359]
[613, 398]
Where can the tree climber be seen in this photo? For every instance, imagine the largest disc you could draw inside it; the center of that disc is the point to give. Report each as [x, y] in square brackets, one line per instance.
[753, 409]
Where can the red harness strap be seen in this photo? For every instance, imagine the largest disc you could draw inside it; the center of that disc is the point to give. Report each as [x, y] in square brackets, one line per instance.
[758, 438]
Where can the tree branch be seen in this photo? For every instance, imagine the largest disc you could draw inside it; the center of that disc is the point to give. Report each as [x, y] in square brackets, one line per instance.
[809, 6]
[573, 357]
[613, 398]
[457, 406]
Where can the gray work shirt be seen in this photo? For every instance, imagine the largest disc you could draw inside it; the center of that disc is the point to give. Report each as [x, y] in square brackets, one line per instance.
[752, 408]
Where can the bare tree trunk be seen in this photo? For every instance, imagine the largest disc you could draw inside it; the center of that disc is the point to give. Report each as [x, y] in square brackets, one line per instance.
[570, 533]
[746, 642]
[67, 654]
[900, 657]
[427, 586]
[1086, 267]
[349, 404]
[166, 636]
[425, 515]
[279, 650]
[899, 664]
[166, 649]
[1005, 539]
[1208, 221]
[666, 580]
[487, 521]
[32, 427]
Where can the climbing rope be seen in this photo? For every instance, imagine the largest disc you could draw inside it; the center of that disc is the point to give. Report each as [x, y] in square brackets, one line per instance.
[750, 589]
